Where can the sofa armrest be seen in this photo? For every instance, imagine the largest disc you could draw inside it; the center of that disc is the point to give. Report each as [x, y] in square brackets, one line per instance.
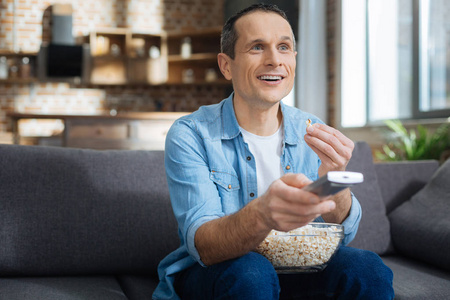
[399, 181]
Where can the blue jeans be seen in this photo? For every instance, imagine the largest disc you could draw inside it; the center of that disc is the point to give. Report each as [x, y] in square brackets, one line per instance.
[351, 274]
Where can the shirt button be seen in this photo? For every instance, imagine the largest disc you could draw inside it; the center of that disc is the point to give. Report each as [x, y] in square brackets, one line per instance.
[288, 167]
[229, 186]
[249, 158]
[252, 195]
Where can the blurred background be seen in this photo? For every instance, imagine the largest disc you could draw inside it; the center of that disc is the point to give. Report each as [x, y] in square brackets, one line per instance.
[115, 74]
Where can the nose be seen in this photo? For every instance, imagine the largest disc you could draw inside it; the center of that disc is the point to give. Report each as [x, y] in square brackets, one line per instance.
[272, 57]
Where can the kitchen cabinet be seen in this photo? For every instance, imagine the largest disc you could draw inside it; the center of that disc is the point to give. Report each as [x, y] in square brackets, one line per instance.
[147, 58]
[123, 57]
[135, 131]
[197, 65]
[17, 67]
[120, 56]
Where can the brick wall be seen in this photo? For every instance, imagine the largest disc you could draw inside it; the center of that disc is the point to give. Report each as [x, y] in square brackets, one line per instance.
[33, 17]
[33, 23]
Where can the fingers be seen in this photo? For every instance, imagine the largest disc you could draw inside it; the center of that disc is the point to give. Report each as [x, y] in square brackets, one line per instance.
[286, 206]
[332, 131]
[332, 147]
[299, 215]
[289, 207]
[295, 180]
[310, 211]
[289, 188]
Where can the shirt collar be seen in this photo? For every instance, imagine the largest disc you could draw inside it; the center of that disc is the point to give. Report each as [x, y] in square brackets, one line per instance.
[231, 129]
[292, 132]
[230, 125]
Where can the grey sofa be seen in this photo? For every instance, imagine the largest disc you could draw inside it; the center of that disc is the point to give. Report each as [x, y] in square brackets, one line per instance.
[88, 224]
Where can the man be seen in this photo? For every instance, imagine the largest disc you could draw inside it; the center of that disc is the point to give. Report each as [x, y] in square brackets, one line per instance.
[235, 172]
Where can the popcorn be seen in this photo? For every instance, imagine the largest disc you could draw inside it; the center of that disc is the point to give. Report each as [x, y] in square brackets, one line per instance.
[308, 123]
[304, 246]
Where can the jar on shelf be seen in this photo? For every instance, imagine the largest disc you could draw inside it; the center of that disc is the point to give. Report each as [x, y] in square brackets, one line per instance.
[3, 67]
[25, 68]
[186, 47]
[115, 50]
[154, 52]
[188, 76]
[210, 75]
[13, 69]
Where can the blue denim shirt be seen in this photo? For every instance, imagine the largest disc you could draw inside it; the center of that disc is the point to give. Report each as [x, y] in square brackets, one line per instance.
[211, 173]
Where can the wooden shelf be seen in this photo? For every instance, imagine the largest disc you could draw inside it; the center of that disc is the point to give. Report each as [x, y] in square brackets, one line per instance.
[213, 31]
[109, 57]
[205, 45]
[23, 74]
[218, 82]
[6, 52]
[133, 66]
[194, 57]
[19, 80]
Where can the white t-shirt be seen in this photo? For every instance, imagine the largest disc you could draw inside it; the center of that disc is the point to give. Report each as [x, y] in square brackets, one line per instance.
[267, 153]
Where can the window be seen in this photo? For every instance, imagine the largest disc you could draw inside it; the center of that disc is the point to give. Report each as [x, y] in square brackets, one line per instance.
[434, 57]
[395, 60]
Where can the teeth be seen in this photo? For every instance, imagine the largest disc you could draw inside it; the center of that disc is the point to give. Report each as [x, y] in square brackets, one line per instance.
[270, 77]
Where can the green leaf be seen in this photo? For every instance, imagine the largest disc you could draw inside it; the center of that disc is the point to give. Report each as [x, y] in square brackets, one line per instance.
[416, 143]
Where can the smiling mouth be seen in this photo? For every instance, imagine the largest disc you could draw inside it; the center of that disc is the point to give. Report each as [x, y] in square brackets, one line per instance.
[270, 78]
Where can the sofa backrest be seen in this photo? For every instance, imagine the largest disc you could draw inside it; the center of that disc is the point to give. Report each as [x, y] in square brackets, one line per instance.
[400, 180]
[374, 229]
[75, 211]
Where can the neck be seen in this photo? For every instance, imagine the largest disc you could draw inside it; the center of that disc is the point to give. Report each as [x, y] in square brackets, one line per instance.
[262, 121]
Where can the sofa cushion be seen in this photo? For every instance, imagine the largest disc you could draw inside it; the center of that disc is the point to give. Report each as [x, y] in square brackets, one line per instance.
[400, 180]
[373, 233]
[76, 211]
[138, 287]
[421, 226]
[61, 288]
[414, 280]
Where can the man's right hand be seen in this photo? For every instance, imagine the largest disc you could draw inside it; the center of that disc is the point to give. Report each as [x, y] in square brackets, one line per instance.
[285, 206]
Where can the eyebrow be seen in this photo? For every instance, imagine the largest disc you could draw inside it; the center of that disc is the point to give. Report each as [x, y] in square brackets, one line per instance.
[283, 38]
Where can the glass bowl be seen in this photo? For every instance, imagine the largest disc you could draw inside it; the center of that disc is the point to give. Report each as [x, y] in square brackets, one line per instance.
[305, 249]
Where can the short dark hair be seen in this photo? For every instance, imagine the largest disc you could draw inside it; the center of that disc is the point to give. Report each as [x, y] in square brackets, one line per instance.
[229, 34]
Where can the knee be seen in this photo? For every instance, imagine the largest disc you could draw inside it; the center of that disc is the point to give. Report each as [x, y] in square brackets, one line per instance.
[373, 267]
[367, 270]
[255, 270]
[253, 276]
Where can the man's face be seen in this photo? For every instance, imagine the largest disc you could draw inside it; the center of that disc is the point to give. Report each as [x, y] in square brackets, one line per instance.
[263, 69]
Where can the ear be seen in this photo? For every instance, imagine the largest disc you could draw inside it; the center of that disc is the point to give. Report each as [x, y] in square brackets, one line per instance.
[224, 65]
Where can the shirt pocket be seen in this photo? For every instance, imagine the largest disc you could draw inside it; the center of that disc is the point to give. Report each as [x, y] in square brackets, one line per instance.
[228, 187]
[225, 179]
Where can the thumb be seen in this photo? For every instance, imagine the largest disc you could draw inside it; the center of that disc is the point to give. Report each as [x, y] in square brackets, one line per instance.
[295, 180]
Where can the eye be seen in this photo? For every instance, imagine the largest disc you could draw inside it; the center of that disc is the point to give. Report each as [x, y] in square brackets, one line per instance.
[258, 47]
[284, 47]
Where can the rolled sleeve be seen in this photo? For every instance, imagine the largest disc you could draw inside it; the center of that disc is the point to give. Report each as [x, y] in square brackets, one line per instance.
[351, 223]
[190, 237]
[194, 197]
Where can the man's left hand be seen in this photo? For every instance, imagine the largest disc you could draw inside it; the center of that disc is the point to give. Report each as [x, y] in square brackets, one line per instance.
[332, 146]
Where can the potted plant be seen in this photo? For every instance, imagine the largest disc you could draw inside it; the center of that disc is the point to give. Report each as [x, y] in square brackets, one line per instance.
[416, 144]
